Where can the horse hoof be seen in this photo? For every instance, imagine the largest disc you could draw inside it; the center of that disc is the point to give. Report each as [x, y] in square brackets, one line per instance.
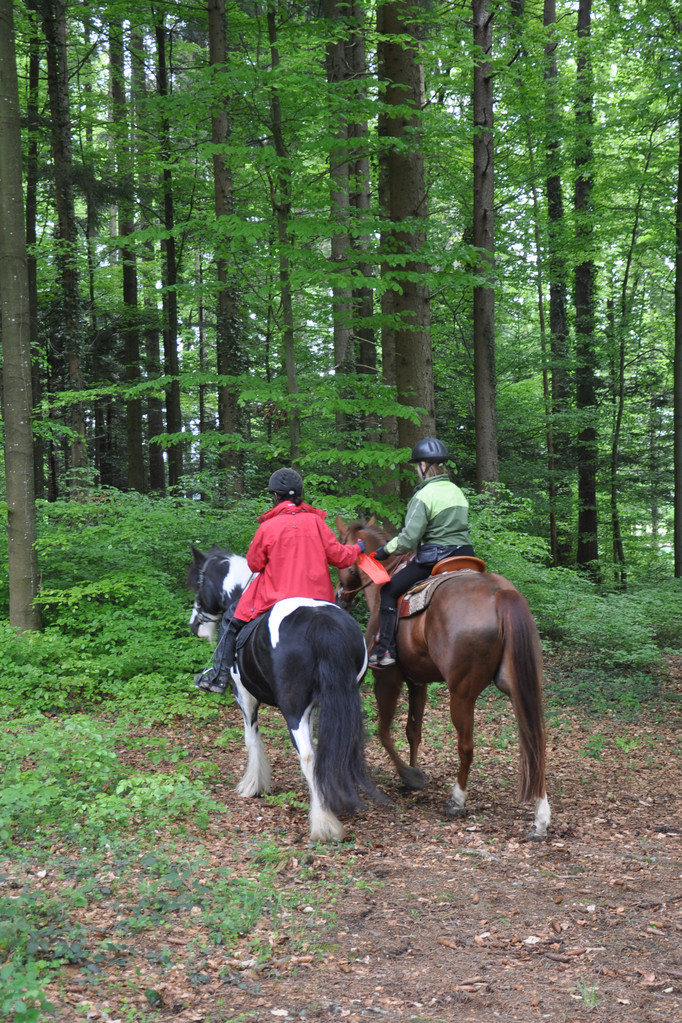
[535, 836]
[454, 810]
[414, 779]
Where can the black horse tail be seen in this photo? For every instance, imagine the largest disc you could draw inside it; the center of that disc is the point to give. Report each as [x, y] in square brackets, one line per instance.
[340, 768]
[521, 670]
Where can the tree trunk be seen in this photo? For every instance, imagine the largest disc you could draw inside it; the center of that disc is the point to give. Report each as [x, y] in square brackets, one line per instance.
[586, 448]
[16, 346]
[360, 198]
[281, 201]
[170, 280]
[677, 376]
[560, 460]
[485, 383]
[126, 227]
[228, 349]
[151, 332]
[54, 25]
[338, 72]
[32, 172]
[405, 210]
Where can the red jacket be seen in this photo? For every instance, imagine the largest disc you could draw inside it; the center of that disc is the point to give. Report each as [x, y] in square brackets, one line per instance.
[291, 550]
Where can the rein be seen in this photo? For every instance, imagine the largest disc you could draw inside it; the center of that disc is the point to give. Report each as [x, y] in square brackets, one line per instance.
[350, 594]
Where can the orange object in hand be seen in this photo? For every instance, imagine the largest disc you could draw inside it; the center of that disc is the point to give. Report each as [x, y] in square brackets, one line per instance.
[373, 569]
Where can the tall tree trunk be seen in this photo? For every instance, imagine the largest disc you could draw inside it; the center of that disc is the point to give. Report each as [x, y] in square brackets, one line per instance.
[54, 25]
[152, 351]
[677, 375]
[360, 198]
[151, 331]
[559, 460]
[16, 346]
[170, 279]
[405, 210]
[485, 383]
[338, 72]
[228, 347]
[126, 227]
[586, 448]
[32, 171]
[281, 201]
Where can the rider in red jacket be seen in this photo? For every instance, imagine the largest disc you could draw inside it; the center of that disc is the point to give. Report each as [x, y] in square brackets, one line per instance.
[291, 551]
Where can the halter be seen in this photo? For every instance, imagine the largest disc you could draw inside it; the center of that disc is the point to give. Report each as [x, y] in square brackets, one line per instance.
[205, 616]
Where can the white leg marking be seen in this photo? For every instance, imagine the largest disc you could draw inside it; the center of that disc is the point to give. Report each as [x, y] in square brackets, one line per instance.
[458, 796]
[324, 825]
[256, 778]
[543, 815]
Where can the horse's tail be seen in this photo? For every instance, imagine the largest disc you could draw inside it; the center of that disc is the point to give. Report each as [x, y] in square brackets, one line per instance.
[520, 673]
[340, 768]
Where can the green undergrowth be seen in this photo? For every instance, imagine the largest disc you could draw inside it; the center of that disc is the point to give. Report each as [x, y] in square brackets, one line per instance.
[116, 607]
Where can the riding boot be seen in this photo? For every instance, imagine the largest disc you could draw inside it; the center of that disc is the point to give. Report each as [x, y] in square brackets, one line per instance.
[216, 678]
[384, 651]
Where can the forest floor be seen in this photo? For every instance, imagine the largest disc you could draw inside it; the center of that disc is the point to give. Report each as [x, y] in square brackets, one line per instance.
[415, 917]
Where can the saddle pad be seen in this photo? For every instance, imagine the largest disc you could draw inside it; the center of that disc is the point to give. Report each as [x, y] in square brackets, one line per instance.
[420, 596]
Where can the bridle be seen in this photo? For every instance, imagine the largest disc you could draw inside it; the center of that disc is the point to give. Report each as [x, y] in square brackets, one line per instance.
[349, 595]
[202, 617]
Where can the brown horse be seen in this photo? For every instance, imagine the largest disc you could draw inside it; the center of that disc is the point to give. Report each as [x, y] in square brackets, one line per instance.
[476, 629]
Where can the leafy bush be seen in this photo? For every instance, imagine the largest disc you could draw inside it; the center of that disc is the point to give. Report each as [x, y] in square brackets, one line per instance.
[116, 607]
[64, 776]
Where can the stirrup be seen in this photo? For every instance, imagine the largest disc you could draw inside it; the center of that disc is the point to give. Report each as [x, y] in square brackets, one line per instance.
[381, 660]
[208, 684]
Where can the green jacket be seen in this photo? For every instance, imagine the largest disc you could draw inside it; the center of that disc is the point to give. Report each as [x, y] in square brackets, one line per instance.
[438, 512]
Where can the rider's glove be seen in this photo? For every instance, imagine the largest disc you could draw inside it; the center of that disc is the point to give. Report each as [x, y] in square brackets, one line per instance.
[381, 554]
[361, 545]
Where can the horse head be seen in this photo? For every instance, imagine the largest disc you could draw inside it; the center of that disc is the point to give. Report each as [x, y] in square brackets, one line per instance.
[218, 579]
[353, 580]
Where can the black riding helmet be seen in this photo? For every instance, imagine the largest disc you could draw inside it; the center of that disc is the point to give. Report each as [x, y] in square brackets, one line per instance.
[429, 449]
[287, 484]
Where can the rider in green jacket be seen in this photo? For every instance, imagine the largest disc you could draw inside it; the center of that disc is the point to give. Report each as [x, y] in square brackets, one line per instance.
[436, 526]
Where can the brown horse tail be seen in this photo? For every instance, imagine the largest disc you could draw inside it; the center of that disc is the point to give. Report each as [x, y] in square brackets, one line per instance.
[520, 674]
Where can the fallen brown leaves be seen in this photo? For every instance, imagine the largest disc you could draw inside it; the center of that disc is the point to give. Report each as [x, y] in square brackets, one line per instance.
[434, 920]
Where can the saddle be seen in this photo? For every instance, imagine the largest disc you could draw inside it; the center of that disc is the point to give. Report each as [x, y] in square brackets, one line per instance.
[245, 633]
[418, 598]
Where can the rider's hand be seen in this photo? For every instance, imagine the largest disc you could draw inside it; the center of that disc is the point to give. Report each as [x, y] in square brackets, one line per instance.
[361, 545]
[381, 554]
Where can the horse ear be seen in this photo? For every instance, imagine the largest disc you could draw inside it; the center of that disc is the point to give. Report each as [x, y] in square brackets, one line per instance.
[197, 556]
[341, 527]
[372, 521]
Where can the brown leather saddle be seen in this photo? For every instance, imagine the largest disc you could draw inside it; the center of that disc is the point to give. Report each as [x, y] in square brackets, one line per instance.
[418, 598]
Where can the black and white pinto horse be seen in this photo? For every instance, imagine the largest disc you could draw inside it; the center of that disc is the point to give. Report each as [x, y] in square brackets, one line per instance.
[301, 656]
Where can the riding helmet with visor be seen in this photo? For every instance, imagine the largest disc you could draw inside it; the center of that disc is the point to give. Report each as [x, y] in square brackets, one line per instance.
[429, 449]
[286, 483]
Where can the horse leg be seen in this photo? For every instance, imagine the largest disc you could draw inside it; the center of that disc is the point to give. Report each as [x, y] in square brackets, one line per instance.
[324, 825]
[415, 716]
[388, 686]
[462, 715]
[256, 778]
[543, 816]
